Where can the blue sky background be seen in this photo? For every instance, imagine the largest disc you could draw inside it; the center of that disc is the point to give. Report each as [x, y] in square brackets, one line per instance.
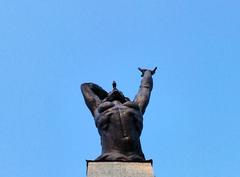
[49, 47]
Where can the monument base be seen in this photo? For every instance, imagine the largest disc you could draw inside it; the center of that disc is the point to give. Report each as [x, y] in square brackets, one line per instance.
[119, 169]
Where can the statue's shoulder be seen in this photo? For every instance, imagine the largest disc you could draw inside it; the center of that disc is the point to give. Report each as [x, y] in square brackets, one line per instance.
[131, 104]
[104, 106]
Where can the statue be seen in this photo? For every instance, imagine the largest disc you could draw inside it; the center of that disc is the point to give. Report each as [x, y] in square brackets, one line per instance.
[119, 120]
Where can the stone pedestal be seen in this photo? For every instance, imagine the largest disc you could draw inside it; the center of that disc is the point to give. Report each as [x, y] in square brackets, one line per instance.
[119, 169]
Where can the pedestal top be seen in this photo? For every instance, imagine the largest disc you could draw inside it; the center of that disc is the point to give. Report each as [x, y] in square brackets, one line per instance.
[119, 169]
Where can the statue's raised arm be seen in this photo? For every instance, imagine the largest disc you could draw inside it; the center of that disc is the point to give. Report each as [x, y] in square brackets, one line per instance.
[143, 96]
[93, 95]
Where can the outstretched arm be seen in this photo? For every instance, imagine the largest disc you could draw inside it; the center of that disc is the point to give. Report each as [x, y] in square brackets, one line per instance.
[93, 94]
[144, 92]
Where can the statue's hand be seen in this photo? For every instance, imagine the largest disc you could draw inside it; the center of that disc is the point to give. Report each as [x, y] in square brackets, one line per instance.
[144, 70]
[153, 71]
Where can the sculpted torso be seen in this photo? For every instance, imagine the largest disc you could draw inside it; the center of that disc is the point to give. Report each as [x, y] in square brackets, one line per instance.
[120, 126]
[119, 120]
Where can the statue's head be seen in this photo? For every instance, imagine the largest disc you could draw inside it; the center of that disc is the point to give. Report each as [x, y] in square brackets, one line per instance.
[116, 95]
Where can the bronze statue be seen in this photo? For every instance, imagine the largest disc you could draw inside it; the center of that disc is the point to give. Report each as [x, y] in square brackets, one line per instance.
[119, 120]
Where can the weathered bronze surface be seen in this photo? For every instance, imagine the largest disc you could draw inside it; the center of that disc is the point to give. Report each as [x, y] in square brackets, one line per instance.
[119, 120]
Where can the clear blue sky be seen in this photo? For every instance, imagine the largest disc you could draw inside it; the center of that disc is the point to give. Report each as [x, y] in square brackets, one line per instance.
[49, 47]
